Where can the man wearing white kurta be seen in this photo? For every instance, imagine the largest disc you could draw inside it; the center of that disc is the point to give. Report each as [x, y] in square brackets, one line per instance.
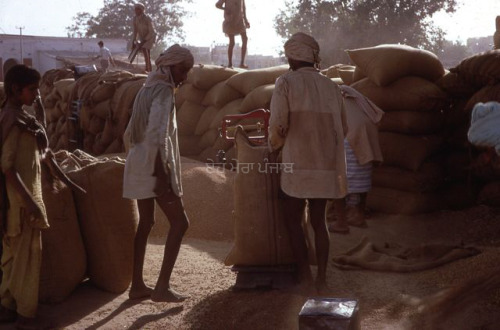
[308, 122]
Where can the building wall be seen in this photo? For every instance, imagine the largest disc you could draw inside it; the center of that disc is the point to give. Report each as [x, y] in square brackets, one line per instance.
[41, 52]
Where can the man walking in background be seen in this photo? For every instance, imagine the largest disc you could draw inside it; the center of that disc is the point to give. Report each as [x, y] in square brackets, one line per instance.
[105, 56]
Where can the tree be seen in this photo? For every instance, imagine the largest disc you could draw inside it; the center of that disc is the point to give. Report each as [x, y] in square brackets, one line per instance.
[346, 24]
[114, 20]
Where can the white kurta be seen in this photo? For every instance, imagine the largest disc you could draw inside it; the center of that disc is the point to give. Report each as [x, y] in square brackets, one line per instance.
[160, 135]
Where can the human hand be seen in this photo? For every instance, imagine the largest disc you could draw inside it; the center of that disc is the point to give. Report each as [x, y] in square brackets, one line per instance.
[247, 24]
[33, 213]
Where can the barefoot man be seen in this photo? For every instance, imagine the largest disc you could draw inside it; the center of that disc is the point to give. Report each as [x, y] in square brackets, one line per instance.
[308, 122]
[152, 169]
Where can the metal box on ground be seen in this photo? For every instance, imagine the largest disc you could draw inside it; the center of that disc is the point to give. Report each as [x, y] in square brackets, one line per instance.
[329, 313]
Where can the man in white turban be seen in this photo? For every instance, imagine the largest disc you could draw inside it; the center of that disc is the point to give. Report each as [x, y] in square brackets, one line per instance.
[144, 33]
[308, 124]
[152, 169]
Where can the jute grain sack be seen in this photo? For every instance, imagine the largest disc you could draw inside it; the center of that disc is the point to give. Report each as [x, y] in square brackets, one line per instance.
[96, 125]
[452, 84]
[206, 76]
[490, 194]
[208, 138]
[108, 224]
[480, 69]
[189, 145]
[102, 92]
[123, 102]
[358, 74]
[220, 95]
[408, 151]
[333, 71]
[260, 234]
[428, 177]
[64, 88]
[64, 260]
[85, 85]
[485, 94]
[384, 64]
[412, 122]
[408, 93]
[259, 98]
[115, 147]
[187, 92]
[247, 81]
[206, 118]
[188, 116]
[232, 108]
[347, 74]
[101, 110]
[394, 201]
[115, 76]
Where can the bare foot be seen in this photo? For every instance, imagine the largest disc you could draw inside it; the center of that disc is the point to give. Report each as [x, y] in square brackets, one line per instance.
[169, 295]
[337, 227]
[357, 219]
[140, 293]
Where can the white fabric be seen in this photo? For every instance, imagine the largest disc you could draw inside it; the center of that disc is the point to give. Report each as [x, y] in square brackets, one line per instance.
[485, 122]
[160, 135]
[104, 53]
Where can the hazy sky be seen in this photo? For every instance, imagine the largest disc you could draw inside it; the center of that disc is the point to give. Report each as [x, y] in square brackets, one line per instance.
[475, 18]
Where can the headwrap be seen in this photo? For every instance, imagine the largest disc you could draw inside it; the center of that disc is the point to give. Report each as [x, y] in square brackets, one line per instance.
[172, 56]
[139, 5]
[302, 47]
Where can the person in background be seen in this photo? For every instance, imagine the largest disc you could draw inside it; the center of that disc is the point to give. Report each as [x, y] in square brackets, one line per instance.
[308, 124]
[235, 23]
[105, 56]
[362, 152]
[144, 35]
[23, 143]
[152, 169]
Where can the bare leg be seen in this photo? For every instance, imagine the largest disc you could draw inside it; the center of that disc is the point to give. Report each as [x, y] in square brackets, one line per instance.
[357, 219]
[340, 226]
[138, 289]
[321, 237]
[293, 209]
[173, 208]
[244, 41]
[230, 51]
[147, 59]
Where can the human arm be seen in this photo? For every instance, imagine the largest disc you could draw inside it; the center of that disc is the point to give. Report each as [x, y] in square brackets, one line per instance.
[220, 4]
[278, 122]
[247, 23]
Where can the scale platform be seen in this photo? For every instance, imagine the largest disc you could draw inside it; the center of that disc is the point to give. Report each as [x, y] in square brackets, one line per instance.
[271, 277]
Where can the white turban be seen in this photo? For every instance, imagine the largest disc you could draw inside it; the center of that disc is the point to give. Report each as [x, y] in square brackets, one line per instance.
[139, 5]
[302, 47]
[174, 55]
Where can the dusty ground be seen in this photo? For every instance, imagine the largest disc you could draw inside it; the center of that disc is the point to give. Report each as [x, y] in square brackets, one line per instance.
[387, 300]
[383, 296]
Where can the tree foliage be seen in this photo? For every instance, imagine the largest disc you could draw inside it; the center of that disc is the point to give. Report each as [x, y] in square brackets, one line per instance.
[114, 20]
[346, 24]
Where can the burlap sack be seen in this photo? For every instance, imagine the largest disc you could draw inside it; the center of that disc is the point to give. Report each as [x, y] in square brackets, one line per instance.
[88, 142]
[208, 138]
[259, 98]
[96, 125]
[103, 92]
[333, 71]
[452, 84]
[49, 100]
[480, 69]
[205, 120]
[220, 95]
[346, 73]
[485, 94]
[247, 81]
[412, 122]
[232, 108]
[102, 109]
[115, 147]
[85, 85]
[108, 224]
[408, 93]
[408, 151]
[428, 177]
[358, 74]
[188, 117]
[394, 201]
[260, 234]
[490, 194]
[64, 88]
[189, 145]
[64, 260]
[206, 76]
[385, 64]
[123, 102]
[187, 92]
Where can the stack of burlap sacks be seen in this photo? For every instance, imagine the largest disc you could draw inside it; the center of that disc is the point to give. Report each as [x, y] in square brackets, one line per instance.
[209, 94]
[106, 101]
[475, 79]
[91, 235]
[401, 81]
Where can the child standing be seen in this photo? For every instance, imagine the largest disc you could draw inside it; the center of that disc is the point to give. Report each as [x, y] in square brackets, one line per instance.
[23, 142]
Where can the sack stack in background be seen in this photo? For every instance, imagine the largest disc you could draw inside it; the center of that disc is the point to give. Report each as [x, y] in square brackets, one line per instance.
[476, 80]
[400, 80]
[209, 94]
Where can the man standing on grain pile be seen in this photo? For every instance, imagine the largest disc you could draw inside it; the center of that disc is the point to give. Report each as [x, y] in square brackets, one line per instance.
[144, 34]
[308, 123]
